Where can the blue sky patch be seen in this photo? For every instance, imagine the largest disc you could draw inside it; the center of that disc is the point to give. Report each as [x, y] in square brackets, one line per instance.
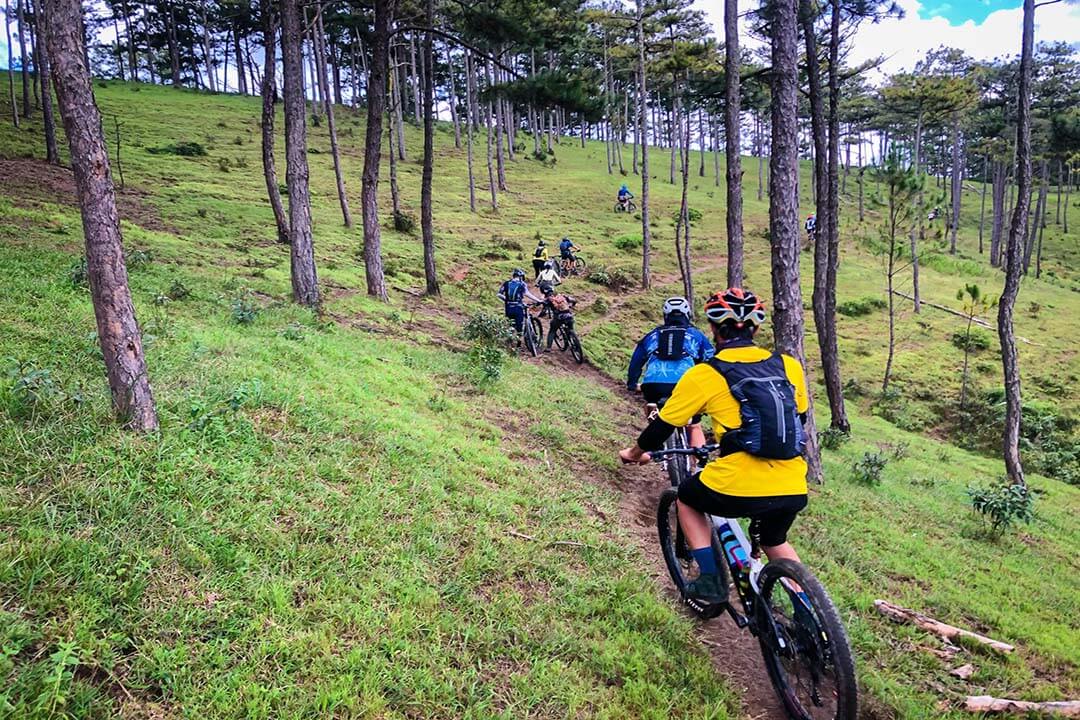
[960, 11]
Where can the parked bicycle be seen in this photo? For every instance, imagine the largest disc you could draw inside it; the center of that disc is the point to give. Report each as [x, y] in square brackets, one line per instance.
[799, 631]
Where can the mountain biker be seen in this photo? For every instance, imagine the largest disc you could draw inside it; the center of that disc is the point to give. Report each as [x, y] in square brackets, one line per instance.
[760, 472]
[811, 224]
[540, 257]
[562, 312]
[513, 293]
[549, 276]
[567, 249]
[665, 354]
[624, 195]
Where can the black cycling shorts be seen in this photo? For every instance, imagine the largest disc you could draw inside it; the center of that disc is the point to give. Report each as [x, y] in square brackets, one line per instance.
[657, 392]
[770, 516]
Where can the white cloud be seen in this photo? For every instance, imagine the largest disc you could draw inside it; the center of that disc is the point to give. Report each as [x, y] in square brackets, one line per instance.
[906, 41]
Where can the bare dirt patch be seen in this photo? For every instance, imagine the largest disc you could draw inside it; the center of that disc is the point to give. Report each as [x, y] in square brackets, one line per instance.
[32, 183]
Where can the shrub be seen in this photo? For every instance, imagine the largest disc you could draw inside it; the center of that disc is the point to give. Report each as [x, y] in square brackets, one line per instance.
[615, 278]
[600, 306]
[832, 438]
[244, 308]
[491, 335]
[858, 308]
[78, 275]
[27, 388]
[975, 341]
[1003, 506]
[404, 222]
[293, 331]
[629, 242]
[185, 148]
[178, 291]
[868, 469]
[137, 258]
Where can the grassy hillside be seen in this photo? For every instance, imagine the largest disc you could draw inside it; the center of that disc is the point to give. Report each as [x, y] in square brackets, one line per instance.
[338, 520]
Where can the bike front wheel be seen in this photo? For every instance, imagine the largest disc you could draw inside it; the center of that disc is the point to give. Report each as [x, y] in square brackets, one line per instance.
[804, 644]
[578, 266]
[678, 557]
[537, 330]
[573, 344]
[529, 337]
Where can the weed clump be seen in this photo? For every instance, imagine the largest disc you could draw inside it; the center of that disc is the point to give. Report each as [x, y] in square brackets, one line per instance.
[244, 309]
[184, 148]
[1003, 506]
[404, 222]
[858, 308]
[868, 469]
[615, 278]
[832, 438]
[78, 275]
[490, 335]
[628, 243]
[974, 341]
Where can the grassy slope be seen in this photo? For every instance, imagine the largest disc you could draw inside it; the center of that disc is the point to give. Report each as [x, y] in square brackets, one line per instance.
[340, 541]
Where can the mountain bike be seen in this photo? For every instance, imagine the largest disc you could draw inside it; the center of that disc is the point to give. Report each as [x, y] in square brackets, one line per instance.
[566, 339]
[625, 207]
[677, 467]
[574, 265]
[781, 603]
[532, 331]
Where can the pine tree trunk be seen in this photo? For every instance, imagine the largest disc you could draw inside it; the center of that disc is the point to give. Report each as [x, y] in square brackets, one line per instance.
[470, 126]
[238, 51]
[376, 106]
[208, 51]
[982, 204]
[1068, 191]
[788, 326]
[10, 65]
[118, 329]
[426, 222]
[956, 189]
[269, 98]
[174, 49]
[305, 282]
[318, 34]
[917, 228]
[636, 126]
[675, 142]
[862, 173]
[733, 174]
[52, 154]
[1038, 221]
[132, 59]
[395, 192]
[488, 120]
[415, 79]
[24, 62]
[401, 79]
[453, 98]
[646, 235]
[760, 159]
[1013, 256]
[500, 149]
[998, 199]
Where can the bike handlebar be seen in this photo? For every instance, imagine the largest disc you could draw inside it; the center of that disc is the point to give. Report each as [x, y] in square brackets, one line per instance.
[701, 453]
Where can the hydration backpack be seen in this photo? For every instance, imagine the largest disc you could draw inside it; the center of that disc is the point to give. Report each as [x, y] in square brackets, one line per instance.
[770, 421]
[539, 252]
[670, 343]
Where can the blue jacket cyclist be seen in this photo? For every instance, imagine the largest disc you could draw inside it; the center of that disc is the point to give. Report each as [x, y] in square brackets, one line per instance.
[513, 293]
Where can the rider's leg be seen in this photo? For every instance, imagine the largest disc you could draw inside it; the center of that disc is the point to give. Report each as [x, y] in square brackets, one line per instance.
[784, 551]
[695, 526]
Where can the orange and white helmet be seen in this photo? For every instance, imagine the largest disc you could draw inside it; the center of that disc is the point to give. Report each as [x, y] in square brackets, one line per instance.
[737, 306]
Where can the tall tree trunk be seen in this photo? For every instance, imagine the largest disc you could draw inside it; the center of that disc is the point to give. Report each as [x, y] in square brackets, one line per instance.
[208, 50]
[130, 37]
[862, 172]
[733, 174]
[684, 215]
[470, 126]
[500, 149]
[636, 126]
[24, 63]
[784, 200]
[956, 189]
[998, 221]
[318, 34]
[1060, 178]
[1038, 221]
[830, 351]
[917, 228]
[1013, 256]
[1068, 191]
[453, 98]
[982, 204]
[52, 155]
[643, 96]
[426, 223]
[376, 106]
[10, 64]
[118, 329]
[488, 119]
[174, 48]
[238, 51]
[269, 98]
[391, 116]
[761, 158]
[305, 283]
[415, 78]
[401, 81]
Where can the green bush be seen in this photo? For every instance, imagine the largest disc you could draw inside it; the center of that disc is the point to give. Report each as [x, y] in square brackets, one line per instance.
[615, 278]
[1003, 506]
[832, 438]
[27, 388]
[244, 309]
[184, 148]
[491, 335]
[177, 291]
[629, 242]
[137, 258]
[868, 469]
[78, 275]
[404, 222]
[974, 342]
[858, 308]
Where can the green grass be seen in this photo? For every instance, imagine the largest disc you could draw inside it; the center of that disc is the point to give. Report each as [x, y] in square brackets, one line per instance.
[329, 521]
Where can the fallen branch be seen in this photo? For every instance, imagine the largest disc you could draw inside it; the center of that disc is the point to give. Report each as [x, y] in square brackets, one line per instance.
[553, 543]
[410, 291]
[988, 704]
[977, 320]
[949, 632]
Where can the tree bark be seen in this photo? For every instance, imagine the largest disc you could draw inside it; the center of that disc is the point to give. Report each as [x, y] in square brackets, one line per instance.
[238, 51]
[453, 98]
[500, 149]
[470, 126]
[24, 63]
[174, 48]
[982, 204]
[427, 229]
[376, 106]
[936, 627]
[10, 65]
[318, 34]
[915, 238]
[1038, 220]
[269, 98]
[788, 325]
[208, 50]
[305, 283]
[956, 189]
[52, 154]
[118, 329]
[395, 103]
[1013, 256]
[997, 228]
[733, 174]
[646, 234]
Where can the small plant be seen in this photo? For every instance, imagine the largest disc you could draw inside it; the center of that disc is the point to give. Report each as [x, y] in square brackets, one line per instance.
[223, 164]
[138, 258]
[491, 335]
[896, 450]
[971, 341]
[869, 468]
[293, 331]
[178, 291]
[1003, 506]
[404, 222]
[628, 243]
[833, 438]
[27, 388]
[858, 308]
[183, 148]
[244, 308]
[438, 403]
[600, 306]
[615, 278]
[854, 388]
[78, 275]
[238, 140]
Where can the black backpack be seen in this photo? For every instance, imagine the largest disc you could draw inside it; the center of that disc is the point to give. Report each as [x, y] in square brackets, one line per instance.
[771, 427]
[670, 343]
[538, 253]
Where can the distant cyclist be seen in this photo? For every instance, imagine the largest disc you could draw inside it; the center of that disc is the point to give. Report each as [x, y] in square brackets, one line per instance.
[665, 354]
[624, 196]
[513, 293]
[562, 312]
[549, 276]
[810, 225]
[567, 248]
[540, 257]
[757, 400]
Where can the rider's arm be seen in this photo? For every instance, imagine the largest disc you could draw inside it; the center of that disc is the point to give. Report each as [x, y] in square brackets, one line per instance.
[637, 364]
[502, 292]
[534, 298]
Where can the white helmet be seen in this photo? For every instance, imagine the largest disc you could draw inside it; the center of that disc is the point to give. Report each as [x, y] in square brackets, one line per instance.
[677, 304]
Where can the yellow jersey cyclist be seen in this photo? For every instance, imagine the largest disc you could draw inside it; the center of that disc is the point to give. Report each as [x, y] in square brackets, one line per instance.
[758, 401]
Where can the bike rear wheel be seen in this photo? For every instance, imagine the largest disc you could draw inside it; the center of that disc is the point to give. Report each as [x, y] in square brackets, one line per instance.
[573, 344]
[805, 646]
[678, 558]
[560, 338]
[679, 467]
[538, 330]
[619, 207]
[529, 337]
